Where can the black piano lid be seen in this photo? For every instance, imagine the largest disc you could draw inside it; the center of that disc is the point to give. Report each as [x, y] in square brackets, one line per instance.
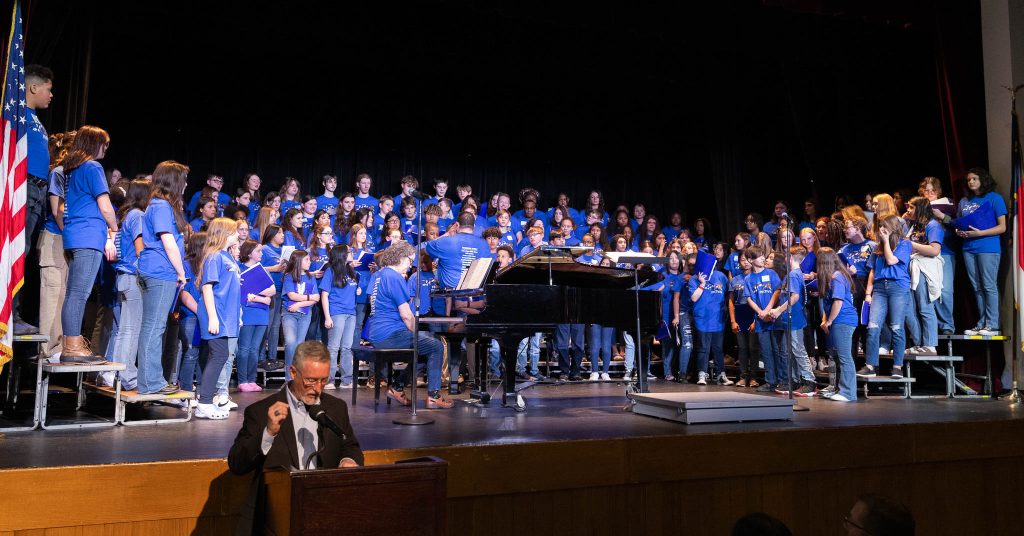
[535, 268]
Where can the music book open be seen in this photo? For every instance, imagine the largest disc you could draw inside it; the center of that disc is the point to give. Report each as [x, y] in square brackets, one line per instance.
[475, 275]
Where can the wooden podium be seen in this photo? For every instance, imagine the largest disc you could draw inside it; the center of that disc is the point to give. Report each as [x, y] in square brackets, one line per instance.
[407, 498]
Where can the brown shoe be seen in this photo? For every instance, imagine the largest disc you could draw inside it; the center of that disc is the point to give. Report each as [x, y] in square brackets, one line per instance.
[76, 351]
[398, 396]
[439, 403]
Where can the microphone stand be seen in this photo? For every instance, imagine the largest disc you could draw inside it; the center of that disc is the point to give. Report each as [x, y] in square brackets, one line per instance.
[414, 419]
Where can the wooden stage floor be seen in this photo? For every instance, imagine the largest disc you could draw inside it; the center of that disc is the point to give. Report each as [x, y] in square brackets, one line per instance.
[579, 411]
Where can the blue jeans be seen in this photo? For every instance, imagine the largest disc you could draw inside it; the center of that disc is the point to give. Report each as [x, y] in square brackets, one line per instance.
[685, 342]
[888, 308]
[570, 352]
[983, 271]
[187, 371]
[601, 339]
[803, 361]
[669, 351]
[157, 297]
[268, 349]
[295, 326]
[710, 342]
[224, 380]
[944, 305]
[428, 346]
[339, 338]
[773, 354]
[534, 352]
[83, 266]
[249, 339]
[922, 323]
[631, 353]
[841, 339]
[124, 346]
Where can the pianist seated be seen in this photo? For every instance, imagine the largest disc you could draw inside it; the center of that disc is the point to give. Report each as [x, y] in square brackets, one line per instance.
[392, 324]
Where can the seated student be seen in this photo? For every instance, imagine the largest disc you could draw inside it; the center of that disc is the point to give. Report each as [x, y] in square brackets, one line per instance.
[535, 235]
[327, 200]
[291, 224]
[384, 207]
[447, 217]
[760, 291]
[261, 445]
[555, 239]
[789, 315]
[646, 232]
[363, 197]
[440, 192]
[206, 212]
[291, 195]
[214, 182]
[839, 320]
[504, 256]
[392, 324]
[620, 220]
[708, 297]
[926, 236]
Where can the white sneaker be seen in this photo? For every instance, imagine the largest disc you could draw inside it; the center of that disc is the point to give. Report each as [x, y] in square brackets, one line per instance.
[913, 350]
[210, 411]
[927, 350]
[224, 402]
[839, 398]
[628, 375]
[594, 376]
[883, 350]
[330, 387]
[702, 378]
[988, 332]
[975, 331]
[723, 379]
[605, 377]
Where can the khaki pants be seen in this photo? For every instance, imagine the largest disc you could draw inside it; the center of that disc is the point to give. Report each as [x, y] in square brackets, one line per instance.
[53, 277]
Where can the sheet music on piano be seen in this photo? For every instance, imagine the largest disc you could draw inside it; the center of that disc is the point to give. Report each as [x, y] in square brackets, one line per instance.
[473, 279]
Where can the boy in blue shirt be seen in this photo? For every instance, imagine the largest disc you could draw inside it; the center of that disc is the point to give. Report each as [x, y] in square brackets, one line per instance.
[327, 200]
[708, 296]
[363, 197]
[760, 291]
[793, 305]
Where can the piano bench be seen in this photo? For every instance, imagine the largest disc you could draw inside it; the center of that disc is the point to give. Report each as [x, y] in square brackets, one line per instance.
[382, 359]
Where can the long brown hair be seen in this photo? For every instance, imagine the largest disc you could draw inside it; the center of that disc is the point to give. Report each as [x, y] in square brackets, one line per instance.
[286, 225]
[922, 213]
[294, 266]
[193, 249]
[895, 226]
[89, 142]
[137, 197]
[827, 266]
[169, 180]
[264, 219]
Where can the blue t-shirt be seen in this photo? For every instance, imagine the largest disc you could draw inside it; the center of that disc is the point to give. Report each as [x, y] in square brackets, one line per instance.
[287, 205]
[223, 200]
[271, 258]
[858, 255]
[306, 285]
[38, 154]
[191, 288]
[707, 310]
[592, 259]
[454, 254]
[291, 240]
[839, 289]
[760, 286]
[197, 224]
[428, 283]
[56, 189]
[153, 261]
[796, 286]
[670, 285]
[984, 244]
[131, 228]
[320, 261]
[254, 211]
[933, 232]
[443, 224]
[898, 272]
[221, 271]
[732, 264]
[251, 314]
[671, 232]
[390, 290]
[84, 226]
[368, 201]
[508, 238]
[340, 300]
[330, 204]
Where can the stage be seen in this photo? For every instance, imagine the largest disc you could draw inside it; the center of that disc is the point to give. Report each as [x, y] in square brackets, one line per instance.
[574, 462]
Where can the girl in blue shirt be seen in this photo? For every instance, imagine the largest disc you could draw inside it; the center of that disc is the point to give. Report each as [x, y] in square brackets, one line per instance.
[290, 195]
[320, 242]
[300, 294]
[272, 240]
[89, 227]
[188, 326]
[338, 302]
[161, 271]
[252, 183]
[741, 320]
[291, 224]
[219, 311]
[926, 236]
[982, 250]
[255, 318]
[888, 291]
[206, 211]
[839, 320]
[322, 217]
[708, 295]
[669, 288]
[128, 310]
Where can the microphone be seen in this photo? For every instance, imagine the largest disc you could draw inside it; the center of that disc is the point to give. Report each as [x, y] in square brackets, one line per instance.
[786, 216]
[416, 194]
[319, 415]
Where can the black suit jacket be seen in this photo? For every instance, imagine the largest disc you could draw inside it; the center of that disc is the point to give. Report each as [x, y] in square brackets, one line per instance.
[246, 454]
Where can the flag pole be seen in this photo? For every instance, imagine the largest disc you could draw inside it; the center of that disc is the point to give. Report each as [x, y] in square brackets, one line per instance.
[1015, 397]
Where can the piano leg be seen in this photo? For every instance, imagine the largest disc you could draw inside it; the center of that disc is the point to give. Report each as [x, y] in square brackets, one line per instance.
[481, 353]
[510, 397]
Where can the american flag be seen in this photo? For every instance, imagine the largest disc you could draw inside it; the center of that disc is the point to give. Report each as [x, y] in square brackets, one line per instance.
[12, 184]
[1018, 221]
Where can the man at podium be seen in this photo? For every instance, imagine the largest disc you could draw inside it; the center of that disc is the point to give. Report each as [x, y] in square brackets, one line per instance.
[283, 430]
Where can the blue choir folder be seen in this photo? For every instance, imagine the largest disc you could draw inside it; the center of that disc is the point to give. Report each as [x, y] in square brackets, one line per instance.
[865, 313]
[705, 264]
[364, 259]
[254, 281]
[982, 218]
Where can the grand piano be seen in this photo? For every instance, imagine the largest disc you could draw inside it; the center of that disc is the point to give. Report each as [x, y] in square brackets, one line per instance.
[548, 287]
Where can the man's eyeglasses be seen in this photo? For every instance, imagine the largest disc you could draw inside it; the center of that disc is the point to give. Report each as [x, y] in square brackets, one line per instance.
[310, 382]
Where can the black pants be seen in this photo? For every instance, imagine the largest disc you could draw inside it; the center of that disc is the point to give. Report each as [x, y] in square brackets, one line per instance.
[212, 358]
[35, 215]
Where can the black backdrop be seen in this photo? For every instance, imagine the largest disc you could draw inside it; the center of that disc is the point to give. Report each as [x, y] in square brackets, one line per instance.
[713, 108]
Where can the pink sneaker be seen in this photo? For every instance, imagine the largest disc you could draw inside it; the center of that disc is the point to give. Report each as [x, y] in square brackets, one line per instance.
[249, 388]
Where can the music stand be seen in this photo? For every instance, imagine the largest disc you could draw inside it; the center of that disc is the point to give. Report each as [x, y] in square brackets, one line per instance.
[641, 375]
